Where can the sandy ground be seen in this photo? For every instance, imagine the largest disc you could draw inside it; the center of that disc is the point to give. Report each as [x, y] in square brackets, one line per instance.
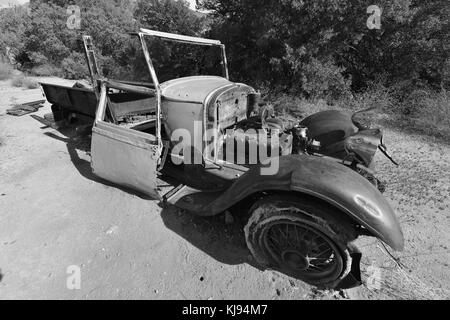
[55, 214]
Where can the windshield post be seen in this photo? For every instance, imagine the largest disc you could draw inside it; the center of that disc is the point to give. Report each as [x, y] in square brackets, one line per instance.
[157, 88]
[224, 62]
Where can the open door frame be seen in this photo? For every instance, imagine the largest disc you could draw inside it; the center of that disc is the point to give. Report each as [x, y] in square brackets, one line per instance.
[91, 60]
[124, 156]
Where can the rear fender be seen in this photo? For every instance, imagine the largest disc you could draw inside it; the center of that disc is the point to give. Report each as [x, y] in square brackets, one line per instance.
[324, 179]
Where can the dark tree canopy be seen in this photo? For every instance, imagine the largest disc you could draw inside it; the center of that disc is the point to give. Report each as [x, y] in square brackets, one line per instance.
[288, 41]
[308, 47]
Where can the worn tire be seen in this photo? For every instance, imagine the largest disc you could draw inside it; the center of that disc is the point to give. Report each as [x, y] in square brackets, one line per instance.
[289, 234]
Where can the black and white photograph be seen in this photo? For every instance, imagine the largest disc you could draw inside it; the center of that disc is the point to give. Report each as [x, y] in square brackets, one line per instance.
[205, 151]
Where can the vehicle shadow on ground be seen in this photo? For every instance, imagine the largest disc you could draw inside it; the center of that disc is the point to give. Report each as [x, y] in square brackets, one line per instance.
[78, 142]
[223, 242]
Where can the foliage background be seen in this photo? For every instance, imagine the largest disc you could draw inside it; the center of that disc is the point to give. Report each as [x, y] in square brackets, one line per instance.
[296, 50]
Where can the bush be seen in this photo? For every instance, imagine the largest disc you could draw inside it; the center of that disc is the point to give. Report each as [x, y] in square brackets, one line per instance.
[18, 81]
[288, 106]
[24, 82]
[323, 79]
[46, 70]
[376, 96]
[37, 58]
[74, 66]
[30, 84]
[431, 112]
[5, 71]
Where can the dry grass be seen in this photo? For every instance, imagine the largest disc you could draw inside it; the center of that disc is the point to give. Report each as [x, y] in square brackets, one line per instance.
[397, 283]
[423, 111]
[46, 71]
[5, 71]
[24, 82]
[432, 115]
[289, 106]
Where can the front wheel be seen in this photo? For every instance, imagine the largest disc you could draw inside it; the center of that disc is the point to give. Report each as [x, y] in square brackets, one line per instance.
[305, 239]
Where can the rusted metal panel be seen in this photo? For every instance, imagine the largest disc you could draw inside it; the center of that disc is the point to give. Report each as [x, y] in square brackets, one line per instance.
[181, 38]
[332, 182]
[193, 89]
[91, 60]
[125, 157]
[184, 115]
[329, 126]
[232, 106]
[77, 100]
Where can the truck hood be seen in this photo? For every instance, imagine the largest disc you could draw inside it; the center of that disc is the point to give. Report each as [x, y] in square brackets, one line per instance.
[192, 89]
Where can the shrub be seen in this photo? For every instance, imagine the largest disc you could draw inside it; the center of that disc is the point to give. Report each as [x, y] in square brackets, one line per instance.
[74, 66]
[376, 96]
[37, 58]
[323, 79]
[30, 84]
[46, 70]
[292, 106]
[22, 81]
[5, 71]
[431, 112]
[18, 81]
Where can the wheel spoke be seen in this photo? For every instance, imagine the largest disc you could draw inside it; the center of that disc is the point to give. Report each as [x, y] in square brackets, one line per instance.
[286, 236]
[274, 242]
[290, 242]
[273, 245]
[323, 252]
[322, 247]
[315, 268]
[296, 234]
[281, 232]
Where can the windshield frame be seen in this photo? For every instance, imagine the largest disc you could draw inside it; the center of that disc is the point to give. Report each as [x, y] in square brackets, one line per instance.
[181, 39]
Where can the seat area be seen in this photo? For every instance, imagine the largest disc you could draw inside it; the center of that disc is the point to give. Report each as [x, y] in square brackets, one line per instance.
[133, 110]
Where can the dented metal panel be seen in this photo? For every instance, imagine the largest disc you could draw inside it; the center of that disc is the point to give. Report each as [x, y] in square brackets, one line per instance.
[325, 180]
[125, 157]
[192, 89]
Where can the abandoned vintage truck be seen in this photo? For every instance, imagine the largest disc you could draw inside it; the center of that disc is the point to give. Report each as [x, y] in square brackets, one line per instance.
[300, 218]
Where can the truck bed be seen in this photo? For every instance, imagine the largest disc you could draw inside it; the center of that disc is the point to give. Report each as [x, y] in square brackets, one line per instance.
[125, 108]
[77, 100]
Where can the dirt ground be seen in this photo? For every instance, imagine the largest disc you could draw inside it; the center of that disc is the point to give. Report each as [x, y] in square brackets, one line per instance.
[54, 213]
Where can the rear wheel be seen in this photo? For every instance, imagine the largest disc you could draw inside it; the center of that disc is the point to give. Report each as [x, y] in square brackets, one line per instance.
[304, 239]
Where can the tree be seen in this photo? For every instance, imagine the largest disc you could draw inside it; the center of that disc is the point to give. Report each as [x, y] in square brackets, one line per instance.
[169, 16]
[279, 41]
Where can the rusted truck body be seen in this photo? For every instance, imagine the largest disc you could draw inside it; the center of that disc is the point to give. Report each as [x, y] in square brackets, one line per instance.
[301, 218]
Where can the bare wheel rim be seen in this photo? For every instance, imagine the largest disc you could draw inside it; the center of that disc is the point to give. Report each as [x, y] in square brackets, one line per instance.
[302, 249]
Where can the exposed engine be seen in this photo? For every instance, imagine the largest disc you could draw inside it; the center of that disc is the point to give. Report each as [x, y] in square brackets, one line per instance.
[332, 134]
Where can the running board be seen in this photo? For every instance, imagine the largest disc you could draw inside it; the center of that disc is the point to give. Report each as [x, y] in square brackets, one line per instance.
[190, 199]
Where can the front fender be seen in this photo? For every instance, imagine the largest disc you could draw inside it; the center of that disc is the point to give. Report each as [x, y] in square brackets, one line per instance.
[327, 180]
[350, 192]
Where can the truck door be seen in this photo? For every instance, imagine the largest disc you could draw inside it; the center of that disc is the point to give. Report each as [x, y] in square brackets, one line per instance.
[126, 140]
